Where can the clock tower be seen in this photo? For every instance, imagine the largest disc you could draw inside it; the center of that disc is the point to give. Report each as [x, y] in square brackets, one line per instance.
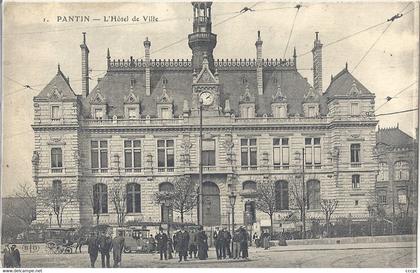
[206, 91]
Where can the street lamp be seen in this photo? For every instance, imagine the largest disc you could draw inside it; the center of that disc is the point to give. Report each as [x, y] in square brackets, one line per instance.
[200, 167]
[297, 157]
[232, 200]
[168, 205]
[50, 215]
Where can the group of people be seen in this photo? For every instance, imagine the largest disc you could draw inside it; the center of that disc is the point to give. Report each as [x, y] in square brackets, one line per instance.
[183, 242]
[223, 241]
[104, 244]
[11, 256]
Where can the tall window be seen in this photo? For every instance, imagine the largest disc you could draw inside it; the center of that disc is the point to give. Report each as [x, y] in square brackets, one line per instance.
[355, 181]
[249, 153]
[401, 170]
[209, 152]
[166, 210]
[98, 113]
[382, 197]
[132, 113]
[56, 159]
[383, 174]
[132, 155]
[354, 109]
[282, 195]
[55, 112]
[313, 192]
[311, 111]
[100, 198]
[281, 153]
[249, 186]
[165, 113]
[402, 196]
[355, 159]
[57, 187]
[133, 198]
[99, 156]
[313, 152]
[166, 156]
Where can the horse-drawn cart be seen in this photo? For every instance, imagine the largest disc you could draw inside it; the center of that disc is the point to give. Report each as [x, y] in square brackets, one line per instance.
[60, 240]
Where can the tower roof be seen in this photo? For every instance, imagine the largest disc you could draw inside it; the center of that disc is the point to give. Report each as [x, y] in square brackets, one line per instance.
[343, 83]
[59, 86]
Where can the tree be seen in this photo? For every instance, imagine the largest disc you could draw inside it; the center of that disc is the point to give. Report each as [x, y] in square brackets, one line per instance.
[119, 198]
[183, 197]
[58, 200]
[23, 205]
[328, 207]
[265, 199]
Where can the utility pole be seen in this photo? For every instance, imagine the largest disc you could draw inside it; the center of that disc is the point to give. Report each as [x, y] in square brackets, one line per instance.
[200, 167]
[303, 194]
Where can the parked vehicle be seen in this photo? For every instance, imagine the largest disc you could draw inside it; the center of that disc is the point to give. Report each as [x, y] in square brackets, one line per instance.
[60, 240]
[137, 239]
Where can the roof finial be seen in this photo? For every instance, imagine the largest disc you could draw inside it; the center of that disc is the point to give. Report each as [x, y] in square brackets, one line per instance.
[332, 77]
[84, 37]
[58, 68]
[347, 66]
[398, 125]
[316, 35]
[108, 55]
[259, 35]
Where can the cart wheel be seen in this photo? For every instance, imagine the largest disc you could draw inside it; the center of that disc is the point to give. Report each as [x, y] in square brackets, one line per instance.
[51, 245]
[126, 250]
[68, 250]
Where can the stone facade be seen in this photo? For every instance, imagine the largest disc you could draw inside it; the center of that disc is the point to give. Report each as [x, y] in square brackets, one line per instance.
[335, 129]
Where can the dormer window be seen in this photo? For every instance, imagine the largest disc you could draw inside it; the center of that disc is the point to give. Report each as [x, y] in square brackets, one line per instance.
[98, 113]
[132, 113]
[247, 110]
[55, 112]
[165, 113]
[354, 109]
[311, 111]
[279, 110]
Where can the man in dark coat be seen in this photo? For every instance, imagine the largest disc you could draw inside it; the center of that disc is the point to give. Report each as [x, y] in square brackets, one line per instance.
[93, 249]
[182, 243]
[236, 244]
[117, 249]
[226, 243]
[162, 243]
[202, 244]
[244, 242]
[15, 256]
[192, 246]
[7, 256]
[105, 245]
[217, 238]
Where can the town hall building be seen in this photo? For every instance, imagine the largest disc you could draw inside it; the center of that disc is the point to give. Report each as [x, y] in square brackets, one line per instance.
[138, 130]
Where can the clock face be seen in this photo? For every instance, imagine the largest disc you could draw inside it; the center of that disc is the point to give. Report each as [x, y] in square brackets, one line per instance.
[206, 98]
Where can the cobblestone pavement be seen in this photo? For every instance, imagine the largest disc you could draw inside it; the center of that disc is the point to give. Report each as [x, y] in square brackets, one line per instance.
[357, 255]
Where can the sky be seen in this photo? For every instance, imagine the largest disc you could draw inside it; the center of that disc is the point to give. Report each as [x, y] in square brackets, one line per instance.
[34, 42]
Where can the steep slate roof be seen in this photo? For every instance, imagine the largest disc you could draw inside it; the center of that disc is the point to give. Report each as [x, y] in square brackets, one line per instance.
[393, 137]
[342, 83]
[115, 85]
[60, 83]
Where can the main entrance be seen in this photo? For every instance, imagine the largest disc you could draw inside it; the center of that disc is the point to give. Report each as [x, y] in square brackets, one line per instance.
[211, 204]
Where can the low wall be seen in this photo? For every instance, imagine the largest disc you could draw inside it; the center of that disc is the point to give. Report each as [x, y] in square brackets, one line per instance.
[355, 240]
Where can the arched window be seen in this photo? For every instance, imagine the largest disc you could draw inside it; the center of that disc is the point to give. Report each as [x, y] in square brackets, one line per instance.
[166, 187]
[249, 186]
[401, 170]
[282, 195]
[313, 190]
[133, 198]
[100, 198]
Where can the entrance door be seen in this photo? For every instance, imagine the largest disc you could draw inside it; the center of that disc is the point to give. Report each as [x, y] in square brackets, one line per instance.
[211, 204]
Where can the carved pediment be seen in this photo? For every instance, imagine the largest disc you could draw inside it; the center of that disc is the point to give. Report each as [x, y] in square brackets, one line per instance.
[205, 75]
[247, 97]
[131, 98]
[354, 91]
[311, 96]
[279, 96]
[165, 98]
[55, 94]
[98, 98]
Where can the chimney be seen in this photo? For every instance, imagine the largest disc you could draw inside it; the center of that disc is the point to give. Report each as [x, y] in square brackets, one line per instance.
[317, 65]
[85, 67]
[147, 45]
[258, 45]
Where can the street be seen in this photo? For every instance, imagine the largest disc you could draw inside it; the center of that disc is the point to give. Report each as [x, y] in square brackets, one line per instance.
[357, 255]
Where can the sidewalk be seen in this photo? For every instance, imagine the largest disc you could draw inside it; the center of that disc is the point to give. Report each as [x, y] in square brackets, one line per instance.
[336, 247]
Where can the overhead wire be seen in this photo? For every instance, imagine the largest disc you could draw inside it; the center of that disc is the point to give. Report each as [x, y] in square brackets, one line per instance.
[389, 98]
[291, 30]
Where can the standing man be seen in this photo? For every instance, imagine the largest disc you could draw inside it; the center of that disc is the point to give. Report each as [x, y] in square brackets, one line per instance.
[202, 244]
[244, 242]
[217, 238]
[117, 249]
[192, 247]
[15, 256]
[105, 245]
[170, 248]
[227, 239]
[162, 243]
[93, 249]
[236, 244]
[182, 243]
